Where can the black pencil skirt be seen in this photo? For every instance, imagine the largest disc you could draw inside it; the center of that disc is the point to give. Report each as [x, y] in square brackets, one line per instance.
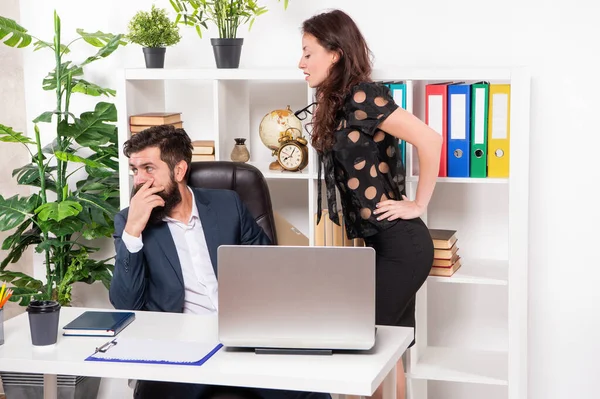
[404, 257]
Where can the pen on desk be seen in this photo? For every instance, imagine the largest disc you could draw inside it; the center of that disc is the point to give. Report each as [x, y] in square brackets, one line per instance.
[106, 346]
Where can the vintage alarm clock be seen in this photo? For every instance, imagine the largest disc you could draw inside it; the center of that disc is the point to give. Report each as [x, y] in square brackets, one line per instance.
[292, 154]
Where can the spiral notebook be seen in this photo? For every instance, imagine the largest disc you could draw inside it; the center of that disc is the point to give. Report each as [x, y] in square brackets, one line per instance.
[131, 350]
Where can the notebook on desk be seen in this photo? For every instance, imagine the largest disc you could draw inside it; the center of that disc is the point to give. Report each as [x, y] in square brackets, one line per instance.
[98, 323]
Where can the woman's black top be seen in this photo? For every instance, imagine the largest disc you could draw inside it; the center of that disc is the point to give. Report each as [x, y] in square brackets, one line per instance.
[365, 163]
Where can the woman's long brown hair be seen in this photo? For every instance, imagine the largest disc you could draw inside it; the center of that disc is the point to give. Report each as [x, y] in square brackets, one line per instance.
[336, 31]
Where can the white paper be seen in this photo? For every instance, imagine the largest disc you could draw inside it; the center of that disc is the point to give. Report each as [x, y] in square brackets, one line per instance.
[479, 116]
[156, 350]
[458, 121]
[499, 116]
[397, 95]
[435, 113]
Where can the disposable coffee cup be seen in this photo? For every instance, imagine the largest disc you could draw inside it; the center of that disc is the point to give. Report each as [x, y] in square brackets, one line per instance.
[43, 322]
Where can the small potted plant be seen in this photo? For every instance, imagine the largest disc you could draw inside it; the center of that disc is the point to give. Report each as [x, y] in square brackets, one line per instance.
[228, 16]
[154, 31]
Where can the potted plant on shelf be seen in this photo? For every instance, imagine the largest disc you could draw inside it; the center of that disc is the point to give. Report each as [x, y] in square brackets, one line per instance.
[227, 16]
[154, 31]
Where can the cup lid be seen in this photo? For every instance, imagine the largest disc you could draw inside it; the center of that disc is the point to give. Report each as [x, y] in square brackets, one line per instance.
[43, 306]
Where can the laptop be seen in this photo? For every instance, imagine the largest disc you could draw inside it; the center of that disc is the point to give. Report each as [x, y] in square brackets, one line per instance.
[297, 298]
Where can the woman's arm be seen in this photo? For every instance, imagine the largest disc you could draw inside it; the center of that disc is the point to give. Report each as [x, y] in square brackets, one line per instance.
[405, 126]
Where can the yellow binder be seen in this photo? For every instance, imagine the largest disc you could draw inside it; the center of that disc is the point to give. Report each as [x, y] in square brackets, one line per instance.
[499, 130]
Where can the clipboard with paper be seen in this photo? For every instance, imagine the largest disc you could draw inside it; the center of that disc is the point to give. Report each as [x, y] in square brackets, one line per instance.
[152, 351]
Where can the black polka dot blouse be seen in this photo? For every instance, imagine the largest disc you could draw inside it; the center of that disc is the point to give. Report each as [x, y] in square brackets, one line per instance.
[365, 163]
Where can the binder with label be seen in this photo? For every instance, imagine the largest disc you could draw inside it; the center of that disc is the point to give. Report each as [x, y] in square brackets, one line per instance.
[499, 130]
[98, 323]
[436, 108]
[479, 128]
[155, 351]
[459, 129]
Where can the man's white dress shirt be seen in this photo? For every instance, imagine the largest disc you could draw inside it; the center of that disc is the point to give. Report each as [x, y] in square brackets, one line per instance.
[198, 274]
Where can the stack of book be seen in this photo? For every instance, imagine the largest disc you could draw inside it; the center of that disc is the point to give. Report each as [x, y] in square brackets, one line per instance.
[445, 253]
[204, 150]
[140, 122]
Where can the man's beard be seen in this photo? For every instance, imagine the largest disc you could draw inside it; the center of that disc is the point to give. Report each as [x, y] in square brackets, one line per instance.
[170, 195]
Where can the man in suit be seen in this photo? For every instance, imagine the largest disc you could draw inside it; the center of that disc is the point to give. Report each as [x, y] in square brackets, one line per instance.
[166, 247]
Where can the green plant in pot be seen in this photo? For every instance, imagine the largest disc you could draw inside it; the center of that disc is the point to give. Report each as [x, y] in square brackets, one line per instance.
[154, 31]
[227, 16]
[73, 174]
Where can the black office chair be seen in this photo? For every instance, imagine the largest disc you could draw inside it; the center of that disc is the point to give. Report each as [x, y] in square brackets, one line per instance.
[246, 180]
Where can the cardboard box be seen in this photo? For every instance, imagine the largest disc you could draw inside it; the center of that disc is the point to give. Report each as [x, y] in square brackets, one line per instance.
[287, 234]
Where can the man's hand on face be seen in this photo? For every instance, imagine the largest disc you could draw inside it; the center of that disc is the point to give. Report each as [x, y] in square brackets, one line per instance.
[141, 206]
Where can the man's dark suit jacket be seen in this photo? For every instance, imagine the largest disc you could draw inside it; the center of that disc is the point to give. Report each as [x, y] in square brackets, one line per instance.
[151, 279]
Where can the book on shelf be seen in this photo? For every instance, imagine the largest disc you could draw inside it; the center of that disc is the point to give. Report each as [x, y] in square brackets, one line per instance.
[446, 259]
[442, 238]
[155, 118]
[141, 122]
[202, 158]
[203, 147]
[443, 253]
[329, 234]
[445, 271]
[446, 262]
[138, 128]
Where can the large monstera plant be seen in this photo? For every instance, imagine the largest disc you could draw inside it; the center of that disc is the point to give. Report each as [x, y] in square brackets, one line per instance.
[74, 176]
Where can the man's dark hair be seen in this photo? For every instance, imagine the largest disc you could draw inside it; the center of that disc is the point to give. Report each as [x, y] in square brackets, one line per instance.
[174, 144]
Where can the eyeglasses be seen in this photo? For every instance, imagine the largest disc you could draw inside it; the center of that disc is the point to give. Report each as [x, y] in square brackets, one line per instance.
[304, 112]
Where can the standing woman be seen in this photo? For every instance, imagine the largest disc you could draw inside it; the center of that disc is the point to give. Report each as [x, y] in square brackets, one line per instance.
[356, 127]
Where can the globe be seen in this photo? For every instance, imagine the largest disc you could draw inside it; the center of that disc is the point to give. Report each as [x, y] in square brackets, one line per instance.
[276, 124]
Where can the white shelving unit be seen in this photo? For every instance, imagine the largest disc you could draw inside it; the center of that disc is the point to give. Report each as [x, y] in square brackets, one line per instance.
[471, 327]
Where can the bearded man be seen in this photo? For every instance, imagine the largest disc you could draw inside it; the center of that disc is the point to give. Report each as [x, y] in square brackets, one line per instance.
[166, 248]
[166, 241]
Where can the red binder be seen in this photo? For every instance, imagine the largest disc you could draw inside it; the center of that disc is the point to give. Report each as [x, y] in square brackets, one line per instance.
[436, 117]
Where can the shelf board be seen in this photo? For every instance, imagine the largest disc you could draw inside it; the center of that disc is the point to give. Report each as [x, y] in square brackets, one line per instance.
[461, 365]
[288, 74]
[477, 271]
[276, 174]
[295, 74]
[464, 180]
[442, 73]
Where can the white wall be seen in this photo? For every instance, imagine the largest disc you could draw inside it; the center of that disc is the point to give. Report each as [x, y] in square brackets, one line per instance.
[12, 113]
[558, 40]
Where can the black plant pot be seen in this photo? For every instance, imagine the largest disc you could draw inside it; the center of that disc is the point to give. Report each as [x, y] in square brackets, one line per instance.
[155, 57]
[227, 52]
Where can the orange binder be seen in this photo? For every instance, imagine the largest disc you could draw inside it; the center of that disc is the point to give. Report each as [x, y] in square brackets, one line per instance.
[499, 130]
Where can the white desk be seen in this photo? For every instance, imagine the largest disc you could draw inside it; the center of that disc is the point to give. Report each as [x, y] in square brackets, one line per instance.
[345, 374]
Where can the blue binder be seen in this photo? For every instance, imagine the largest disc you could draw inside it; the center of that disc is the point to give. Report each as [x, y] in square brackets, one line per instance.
[459, 129]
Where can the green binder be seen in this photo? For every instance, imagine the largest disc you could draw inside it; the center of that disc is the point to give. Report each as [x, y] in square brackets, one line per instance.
[479, 128]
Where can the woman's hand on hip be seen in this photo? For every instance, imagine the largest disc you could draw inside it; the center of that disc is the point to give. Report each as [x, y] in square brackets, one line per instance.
[392, 210]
